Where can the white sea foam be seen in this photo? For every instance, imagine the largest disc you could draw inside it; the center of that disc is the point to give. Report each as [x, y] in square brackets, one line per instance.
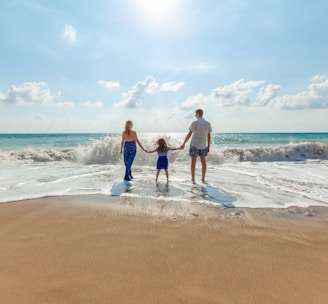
[259, 177]
[106, 151]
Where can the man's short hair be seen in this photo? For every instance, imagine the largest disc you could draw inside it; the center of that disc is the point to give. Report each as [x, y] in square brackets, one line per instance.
[199, 112]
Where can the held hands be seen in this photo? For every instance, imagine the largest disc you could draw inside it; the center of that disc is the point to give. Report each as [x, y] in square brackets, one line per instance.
[179, 148]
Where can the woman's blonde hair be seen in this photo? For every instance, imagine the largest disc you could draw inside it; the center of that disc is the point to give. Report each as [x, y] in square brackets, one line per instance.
[162, 146]
[128, 125]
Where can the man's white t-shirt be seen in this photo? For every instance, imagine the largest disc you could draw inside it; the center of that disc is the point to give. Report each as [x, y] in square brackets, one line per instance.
[200, 129]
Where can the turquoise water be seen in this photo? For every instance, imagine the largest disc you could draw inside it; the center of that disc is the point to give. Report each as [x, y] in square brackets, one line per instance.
[16, 142]
[267, 139]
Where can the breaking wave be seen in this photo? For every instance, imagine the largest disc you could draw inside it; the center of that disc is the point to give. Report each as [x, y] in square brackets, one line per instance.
[107, 151]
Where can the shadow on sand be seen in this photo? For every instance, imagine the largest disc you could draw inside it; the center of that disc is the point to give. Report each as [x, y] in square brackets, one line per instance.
[203, 191]
[121, 187]
[215, 195]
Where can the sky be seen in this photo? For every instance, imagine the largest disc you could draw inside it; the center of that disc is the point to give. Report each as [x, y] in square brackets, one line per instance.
[88, 66]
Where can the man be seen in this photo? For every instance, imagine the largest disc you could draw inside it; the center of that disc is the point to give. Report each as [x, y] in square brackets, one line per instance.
[200, 131]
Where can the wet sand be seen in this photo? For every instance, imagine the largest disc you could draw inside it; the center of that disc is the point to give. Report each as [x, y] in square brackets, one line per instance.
[64, 250]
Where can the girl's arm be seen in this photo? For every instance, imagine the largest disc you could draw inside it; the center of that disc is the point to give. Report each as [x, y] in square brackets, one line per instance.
[151, 151]
[174, 149]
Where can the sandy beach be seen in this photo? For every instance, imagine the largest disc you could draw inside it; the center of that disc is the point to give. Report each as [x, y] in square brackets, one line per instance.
[64, 250]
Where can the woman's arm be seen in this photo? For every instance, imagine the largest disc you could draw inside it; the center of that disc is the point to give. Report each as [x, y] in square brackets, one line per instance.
[139, 143]
[122, 143]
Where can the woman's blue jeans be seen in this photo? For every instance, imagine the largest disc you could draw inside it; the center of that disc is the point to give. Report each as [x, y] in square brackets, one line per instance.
[130, 150]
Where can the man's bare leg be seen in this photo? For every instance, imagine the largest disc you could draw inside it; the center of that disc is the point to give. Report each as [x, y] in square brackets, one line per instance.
[203, 161]
[193, 168]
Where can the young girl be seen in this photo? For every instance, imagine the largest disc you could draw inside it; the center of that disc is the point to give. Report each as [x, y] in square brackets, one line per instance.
[129, 140]
[162, 161]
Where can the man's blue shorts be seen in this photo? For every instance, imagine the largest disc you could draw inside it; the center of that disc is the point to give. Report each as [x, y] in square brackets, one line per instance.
[194, 152]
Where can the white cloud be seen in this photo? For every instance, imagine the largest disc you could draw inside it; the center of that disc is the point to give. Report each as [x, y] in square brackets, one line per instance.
[318, 78]
[235, 94]
[319, 90]
[316, 97]
[109, 84]
[29, 93]
[96, 104]
[238, 94]
[65, 104]
[150, 84]
[134, 97]
[70, 34]
[194, 102]
[172, 86]
[189, 116]
[243, 93]
[268, 93]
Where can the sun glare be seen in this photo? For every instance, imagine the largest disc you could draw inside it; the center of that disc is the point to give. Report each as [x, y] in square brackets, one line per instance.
[158, 10]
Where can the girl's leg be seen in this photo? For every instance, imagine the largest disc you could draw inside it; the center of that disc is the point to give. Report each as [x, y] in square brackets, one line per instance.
[167, 175]
[157, 174]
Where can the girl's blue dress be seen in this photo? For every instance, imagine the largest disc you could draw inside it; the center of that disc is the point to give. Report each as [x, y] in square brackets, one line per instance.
[162, 161]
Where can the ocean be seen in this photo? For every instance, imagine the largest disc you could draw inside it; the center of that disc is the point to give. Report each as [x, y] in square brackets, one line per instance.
[255, 170]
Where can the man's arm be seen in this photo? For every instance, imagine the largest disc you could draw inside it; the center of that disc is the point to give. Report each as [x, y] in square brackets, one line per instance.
[208, 141]
[186, 139]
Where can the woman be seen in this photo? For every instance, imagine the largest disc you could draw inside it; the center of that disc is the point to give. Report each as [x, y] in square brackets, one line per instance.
[129, 139]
